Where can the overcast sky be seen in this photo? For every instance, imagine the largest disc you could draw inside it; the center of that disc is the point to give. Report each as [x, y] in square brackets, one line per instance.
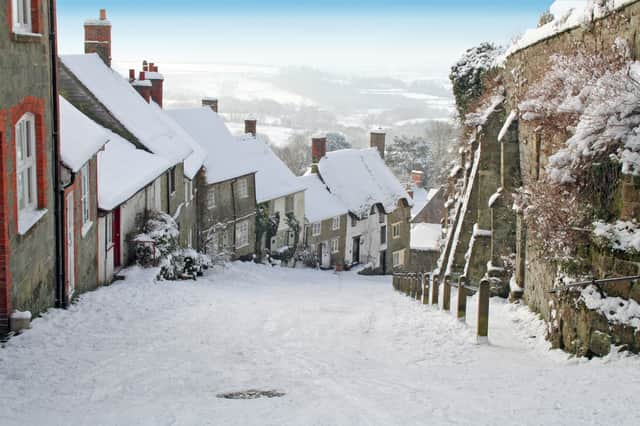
[378, 36]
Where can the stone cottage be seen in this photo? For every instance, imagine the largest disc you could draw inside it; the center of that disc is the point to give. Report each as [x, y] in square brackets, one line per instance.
[31, 260]
[325, 225]
[225, 190]
[80, 140]
[378, 228]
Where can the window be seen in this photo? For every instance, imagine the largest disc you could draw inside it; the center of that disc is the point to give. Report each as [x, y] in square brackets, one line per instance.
[86, 196]
[335, 245]
[211, 198]
[21, 11]
[316, 229]
[242, 234]
[398, 258]
[289, 204]
[395, 230]
[383, 235]
[188, 190]
[26, 172]
[354, 221]
[172, 181]
[335, 224]
[109, 231]
[381, 214]
[243, 189]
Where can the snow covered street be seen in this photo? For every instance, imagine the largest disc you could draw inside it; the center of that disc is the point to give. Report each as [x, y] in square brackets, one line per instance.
[344, 349]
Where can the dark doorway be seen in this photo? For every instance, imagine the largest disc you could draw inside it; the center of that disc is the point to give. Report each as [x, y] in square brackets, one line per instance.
[356, 250]
[117, 247]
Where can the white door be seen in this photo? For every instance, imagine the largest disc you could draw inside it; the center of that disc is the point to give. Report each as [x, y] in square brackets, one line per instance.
[71, 253]
[109, 248]
[326, 256]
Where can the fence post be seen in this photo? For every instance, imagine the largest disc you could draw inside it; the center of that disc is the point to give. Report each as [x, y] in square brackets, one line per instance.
[435, 290]
[418, 287]
[446, 293]
[412, 291]
[462, 298]
[425, 290]
[483, 311]
[407, 286]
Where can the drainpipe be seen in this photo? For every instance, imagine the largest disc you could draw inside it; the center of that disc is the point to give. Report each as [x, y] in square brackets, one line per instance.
[57, 190]
[235, 213]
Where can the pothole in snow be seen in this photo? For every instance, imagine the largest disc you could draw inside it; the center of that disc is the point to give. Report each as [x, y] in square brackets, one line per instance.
[252, 394]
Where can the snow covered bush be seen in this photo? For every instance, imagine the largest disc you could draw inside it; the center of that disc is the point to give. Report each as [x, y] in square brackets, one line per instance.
[467, 75]
[158, 245]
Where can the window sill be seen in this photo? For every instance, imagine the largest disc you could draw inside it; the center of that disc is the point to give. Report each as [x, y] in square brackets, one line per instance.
[85, 228]
[25, 37]
[27, 219]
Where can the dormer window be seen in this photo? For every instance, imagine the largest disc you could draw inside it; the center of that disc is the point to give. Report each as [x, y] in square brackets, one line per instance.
[21, 12]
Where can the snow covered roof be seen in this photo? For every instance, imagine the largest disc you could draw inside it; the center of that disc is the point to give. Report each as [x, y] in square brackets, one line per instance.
[567, 14]
[421, 198]
[361, 179]
[319, 203]
[127, 106]
[195, 160]
[273, 177]
[426, 236]
[80, 137]
[123, 170]
[223, 158]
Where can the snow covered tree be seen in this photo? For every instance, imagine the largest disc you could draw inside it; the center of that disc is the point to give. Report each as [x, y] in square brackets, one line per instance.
[407, 154]
[337, 141]
[468, 73]
[296, 154]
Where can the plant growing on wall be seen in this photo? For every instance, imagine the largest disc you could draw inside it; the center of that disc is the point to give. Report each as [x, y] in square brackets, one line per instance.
[266, 225]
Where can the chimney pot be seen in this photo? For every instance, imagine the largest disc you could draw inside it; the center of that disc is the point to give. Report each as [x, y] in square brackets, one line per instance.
[211, 103]
[318, 149]
[103, 14]
[132, 74]
[417, 178]
[251, 127]
[378, 142]
[143, 76]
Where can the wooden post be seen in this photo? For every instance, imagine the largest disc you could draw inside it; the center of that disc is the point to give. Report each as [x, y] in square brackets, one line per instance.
[407, 286]
[435, 291]
[418, 282]
[412, 288]
[446, 293]
[483, 311]
[462, 298]
[425, 291]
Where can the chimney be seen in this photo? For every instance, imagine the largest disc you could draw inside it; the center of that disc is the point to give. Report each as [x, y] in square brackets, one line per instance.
[157, 82]
[378, 141]
[211, 103]
[145, 66]
[410, 191]
[97, 37]
[132, 75]
[417, 178]
[251, 127]
[318, 151]
[143, 86]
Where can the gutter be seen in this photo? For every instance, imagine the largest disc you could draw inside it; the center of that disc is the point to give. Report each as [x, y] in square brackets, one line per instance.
[60, 296]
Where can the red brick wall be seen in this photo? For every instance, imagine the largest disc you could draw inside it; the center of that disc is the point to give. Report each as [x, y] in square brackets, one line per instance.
[5, 252]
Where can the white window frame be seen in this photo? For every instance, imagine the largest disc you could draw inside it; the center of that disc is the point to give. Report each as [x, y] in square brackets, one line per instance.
[242, 234]
[85, 197]
[188, 190]
[211, 198]
[395, 230]
[27, 173]
[335, 223]
[398, 258]
[243, 188]
[316, 229]
[335, 245]
[21, 11]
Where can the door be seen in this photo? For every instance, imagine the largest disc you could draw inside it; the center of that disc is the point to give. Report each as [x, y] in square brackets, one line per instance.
[71, 252]
[326, 256]
[383, 262]
[355, 258]
[117, 246]
[108, 245]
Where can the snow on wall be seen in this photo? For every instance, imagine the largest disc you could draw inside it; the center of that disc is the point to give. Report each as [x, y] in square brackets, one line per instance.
[615, 309]
[621, 235]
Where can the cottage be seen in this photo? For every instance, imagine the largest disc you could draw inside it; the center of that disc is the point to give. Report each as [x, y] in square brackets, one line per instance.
[30, 259]
[378, 233]
[325, 225]
[80, 140]
[226, 189]
[279, 194]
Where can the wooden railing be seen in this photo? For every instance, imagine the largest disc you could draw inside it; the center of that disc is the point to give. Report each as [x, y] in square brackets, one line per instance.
[425, 288]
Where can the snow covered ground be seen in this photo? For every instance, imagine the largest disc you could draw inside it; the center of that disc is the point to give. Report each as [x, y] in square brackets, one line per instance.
[345, 350]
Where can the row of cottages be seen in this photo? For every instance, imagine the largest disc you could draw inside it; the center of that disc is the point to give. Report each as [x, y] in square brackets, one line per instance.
[368, 209]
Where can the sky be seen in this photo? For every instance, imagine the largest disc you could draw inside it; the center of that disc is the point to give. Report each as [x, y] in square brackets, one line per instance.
[372, 36]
